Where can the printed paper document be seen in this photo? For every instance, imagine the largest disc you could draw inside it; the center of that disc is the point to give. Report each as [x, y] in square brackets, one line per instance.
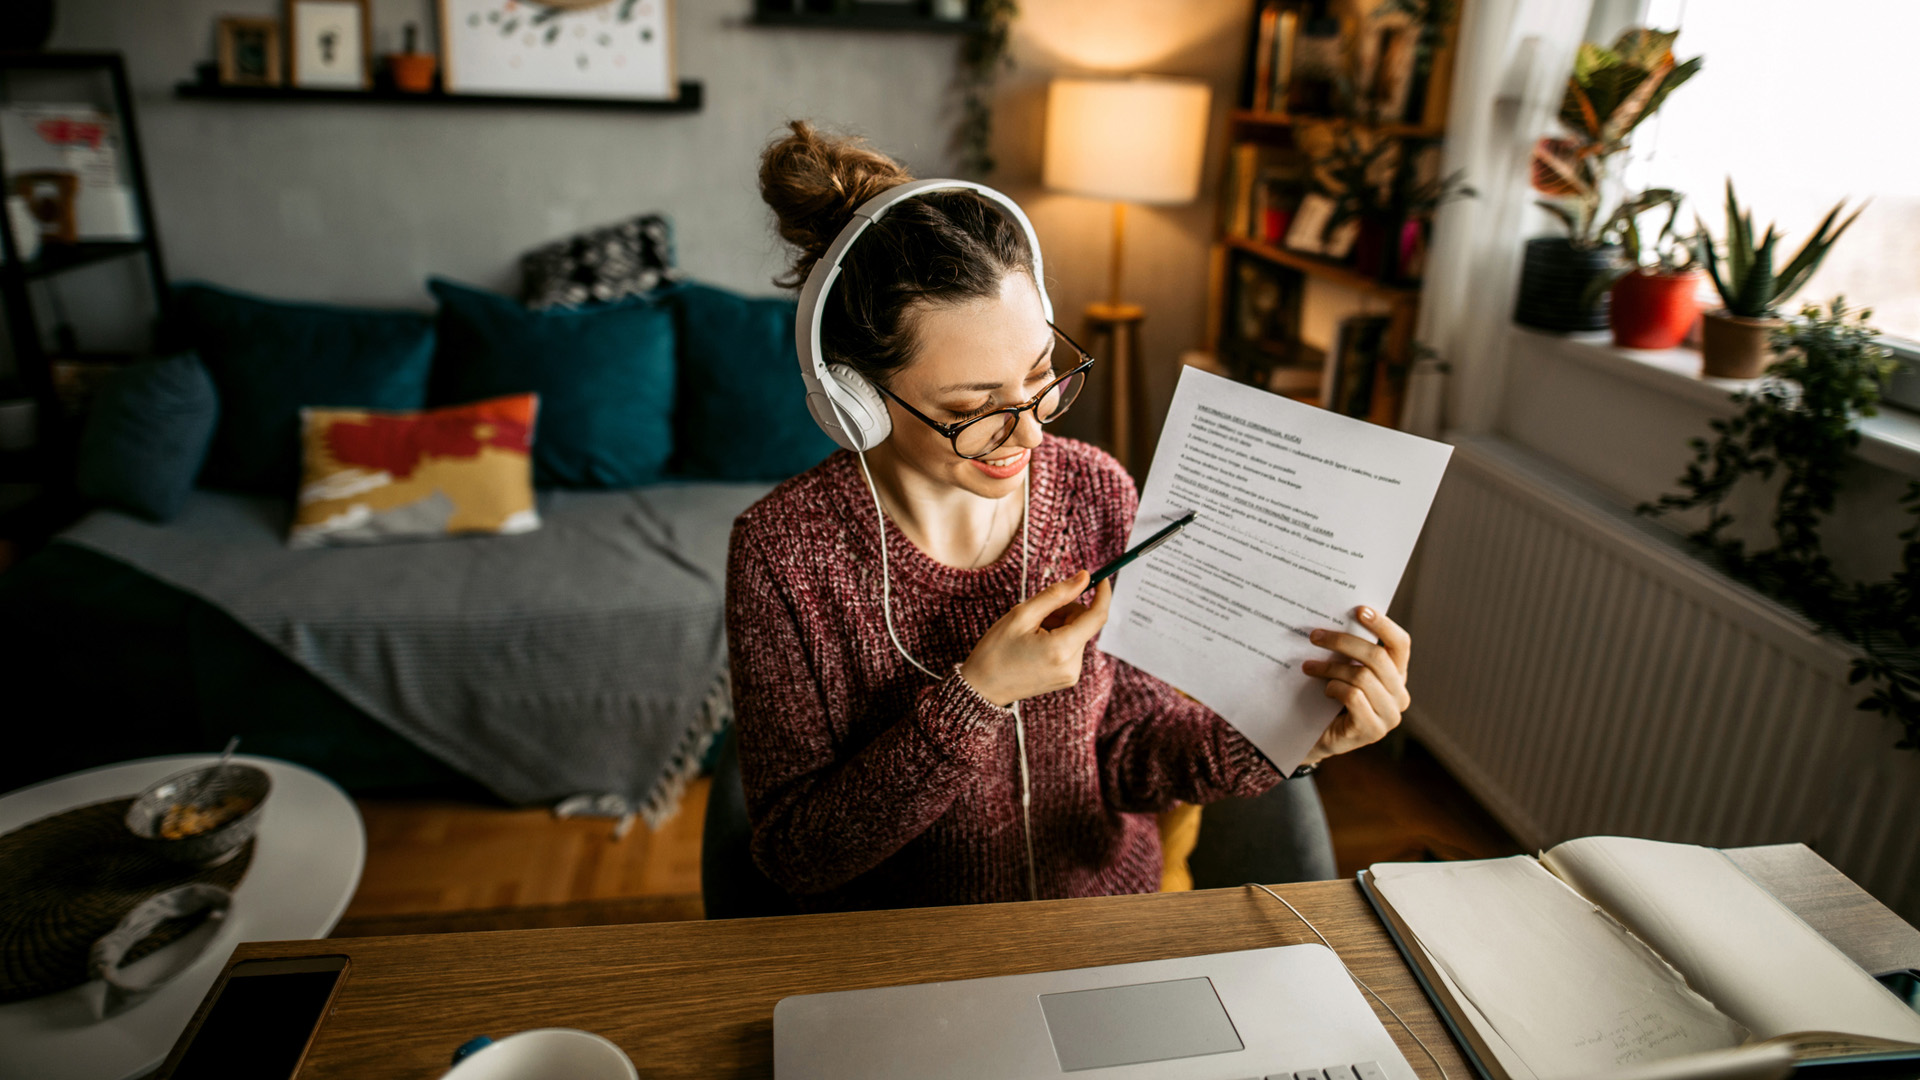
[1304, 515]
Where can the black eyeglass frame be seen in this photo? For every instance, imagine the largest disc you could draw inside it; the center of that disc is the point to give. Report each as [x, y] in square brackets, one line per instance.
[952, 431]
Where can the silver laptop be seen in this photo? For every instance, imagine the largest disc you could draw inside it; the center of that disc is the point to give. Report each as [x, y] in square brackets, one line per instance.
[1289, 1012]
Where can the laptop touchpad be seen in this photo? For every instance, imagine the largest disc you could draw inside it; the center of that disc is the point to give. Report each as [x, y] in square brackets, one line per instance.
[1128, 1025]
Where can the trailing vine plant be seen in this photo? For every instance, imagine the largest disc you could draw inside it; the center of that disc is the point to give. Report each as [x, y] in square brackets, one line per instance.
[983, 54]
[1801, 423]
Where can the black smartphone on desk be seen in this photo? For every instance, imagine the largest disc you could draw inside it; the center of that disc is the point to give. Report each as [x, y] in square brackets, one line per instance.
[264, 1016]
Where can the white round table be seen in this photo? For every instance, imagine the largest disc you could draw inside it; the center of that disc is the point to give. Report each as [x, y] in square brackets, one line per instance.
[306, 863]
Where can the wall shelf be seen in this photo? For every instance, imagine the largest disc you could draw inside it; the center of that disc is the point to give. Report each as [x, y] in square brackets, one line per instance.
[1250, 118]
[58, 258]
[1327, 270]
[863, 20]
[688, 101]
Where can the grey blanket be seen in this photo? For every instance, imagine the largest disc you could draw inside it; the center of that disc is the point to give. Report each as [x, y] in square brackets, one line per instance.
[587, 656]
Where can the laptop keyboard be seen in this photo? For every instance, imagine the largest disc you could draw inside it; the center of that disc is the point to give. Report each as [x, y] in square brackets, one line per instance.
[1366, 1070]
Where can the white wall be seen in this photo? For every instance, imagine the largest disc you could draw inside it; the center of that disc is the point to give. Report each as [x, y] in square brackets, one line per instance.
[1625, 427]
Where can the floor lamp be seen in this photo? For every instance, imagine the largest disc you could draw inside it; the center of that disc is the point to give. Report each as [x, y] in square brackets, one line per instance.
[1125, 140]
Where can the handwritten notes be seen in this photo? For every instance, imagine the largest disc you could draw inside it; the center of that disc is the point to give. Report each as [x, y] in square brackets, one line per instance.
[1304, 515]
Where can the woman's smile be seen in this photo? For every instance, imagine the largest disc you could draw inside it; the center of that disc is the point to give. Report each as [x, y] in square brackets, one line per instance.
[1006, 466]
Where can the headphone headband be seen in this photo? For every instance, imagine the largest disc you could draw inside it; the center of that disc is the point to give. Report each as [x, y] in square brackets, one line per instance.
[842, 402]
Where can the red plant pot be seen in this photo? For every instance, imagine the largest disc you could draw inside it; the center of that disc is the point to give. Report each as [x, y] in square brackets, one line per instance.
[413, 72]
[1654, 311]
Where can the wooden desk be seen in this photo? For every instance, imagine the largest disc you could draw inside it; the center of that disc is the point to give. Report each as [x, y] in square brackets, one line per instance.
[695, 999]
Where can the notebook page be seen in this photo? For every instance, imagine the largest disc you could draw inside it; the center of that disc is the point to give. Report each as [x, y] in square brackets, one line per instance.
[1499, 1058]
[1562, 984]
[1731, 938]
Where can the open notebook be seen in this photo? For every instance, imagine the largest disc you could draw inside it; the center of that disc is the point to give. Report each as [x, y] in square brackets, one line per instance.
[1608, 953]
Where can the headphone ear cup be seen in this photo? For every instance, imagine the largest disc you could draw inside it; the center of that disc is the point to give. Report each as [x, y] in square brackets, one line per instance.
[863, 411]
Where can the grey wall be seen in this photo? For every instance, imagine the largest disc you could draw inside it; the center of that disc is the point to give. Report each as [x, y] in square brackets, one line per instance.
[360, 203]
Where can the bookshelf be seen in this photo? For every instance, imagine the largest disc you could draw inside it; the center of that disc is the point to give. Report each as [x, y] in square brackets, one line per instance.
[1329, 190]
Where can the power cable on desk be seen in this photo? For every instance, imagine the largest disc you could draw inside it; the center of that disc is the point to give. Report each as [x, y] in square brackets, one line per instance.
[1343, 964]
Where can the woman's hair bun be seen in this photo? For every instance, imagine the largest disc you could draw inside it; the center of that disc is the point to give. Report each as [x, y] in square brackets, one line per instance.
[814, 182]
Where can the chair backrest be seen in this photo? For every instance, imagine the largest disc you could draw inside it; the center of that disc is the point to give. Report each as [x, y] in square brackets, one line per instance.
[731, 885]
[1277, 837]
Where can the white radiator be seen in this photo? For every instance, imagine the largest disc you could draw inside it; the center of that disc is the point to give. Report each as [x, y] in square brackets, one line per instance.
[1582, 674]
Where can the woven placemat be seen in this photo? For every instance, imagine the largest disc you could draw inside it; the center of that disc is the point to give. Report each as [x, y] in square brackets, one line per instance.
[68, 880]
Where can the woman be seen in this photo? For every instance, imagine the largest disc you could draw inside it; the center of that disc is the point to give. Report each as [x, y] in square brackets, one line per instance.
[884, 681]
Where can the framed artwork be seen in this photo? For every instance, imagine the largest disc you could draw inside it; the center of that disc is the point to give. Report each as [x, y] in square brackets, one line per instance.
[249, 52]
[559, 48]
[327, 44]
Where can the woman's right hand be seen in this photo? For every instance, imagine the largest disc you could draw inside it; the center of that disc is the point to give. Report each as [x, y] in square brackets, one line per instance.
[1036, 648]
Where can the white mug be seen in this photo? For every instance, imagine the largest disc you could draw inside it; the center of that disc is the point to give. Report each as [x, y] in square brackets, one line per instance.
[546, 1054]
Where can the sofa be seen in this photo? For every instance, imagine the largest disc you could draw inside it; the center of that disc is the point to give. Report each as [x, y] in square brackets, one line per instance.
[583, 657]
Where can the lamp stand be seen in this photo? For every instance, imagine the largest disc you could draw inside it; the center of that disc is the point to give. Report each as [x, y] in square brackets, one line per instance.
[1113, 334]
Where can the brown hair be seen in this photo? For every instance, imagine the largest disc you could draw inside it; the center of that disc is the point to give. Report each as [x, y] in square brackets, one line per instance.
[944, 247]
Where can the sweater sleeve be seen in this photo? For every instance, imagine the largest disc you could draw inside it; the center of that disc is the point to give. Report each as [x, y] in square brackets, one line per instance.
[821, 818]
[1158, 746]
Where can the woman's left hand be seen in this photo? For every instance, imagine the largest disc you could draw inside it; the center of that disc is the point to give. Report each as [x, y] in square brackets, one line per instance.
[1369, 679]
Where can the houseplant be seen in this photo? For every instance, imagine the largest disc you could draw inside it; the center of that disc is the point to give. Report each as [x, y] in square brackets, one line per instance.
[1377, 182]
[1797, 430]
[982, 56]
[1735, 338]
[1654, 288]
[1612, 89]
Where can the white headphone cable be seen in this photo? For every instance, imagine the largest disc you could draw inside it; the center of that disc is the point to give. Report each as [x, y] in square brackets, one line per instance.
[886, 614]
[1336, 955]
[1019, 723]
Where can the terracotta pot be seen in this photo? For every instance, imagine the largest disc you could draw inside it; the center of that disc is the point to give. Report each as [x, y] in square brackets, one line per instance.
[1654, 311]
[1553, 285]
[1735, 348]
[413, 72]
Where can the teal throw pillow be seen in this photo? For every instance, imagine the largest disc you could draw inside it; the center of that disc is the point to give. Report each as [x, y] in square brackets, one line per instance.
[605, 376]
[271, 359]
[146, 436]
[743, 408]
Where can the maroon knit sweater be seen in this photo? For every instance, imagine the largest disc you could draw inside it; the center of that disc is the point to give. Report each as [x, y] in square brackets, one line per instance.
[871, 785]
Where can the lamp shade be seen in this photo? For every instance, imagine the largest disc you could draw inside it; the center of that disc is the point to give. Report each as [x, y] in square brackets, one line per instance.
[1129, 140]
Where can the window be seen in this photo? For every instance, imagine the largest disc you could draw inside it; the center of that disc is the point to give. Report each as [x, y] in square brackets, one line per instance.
[1802, 103]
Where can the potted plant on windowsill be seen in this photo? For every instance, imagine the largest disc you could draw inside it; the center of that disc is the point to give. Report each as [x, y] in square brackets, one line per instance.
[1734, 339]
[1655, 287]
[1609, 93]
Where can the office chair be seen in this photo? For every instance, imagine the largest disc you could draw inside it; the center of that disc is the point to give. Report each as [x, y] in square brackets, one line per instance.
[731, 884]
[1277, 837]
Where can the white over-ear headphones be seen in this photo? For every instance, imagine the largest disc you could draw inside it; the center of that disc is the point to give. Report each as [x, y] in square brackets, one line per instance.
[842, 401]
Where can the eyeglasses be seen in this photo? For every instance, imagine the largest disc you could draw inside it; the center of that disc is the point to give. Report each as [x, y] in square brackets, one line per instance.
[981, 435]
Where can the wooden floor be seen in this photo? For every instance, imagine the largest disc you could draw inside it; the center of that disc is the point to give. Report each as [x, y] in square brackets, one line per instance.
[436, 866]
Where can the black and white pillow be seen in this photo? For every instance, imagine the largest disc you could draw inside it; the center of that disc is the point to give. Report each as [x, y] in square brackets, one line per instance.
[610, 263]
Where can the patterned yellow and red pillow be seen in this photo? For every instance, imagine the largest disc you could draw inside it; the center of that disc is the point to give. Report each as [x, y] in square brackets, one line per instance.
[370, 475]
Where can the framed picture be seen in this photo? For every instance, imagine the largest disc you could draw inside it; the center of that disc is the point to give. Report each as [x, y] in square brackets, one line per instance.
[249, 52]
[327, 44]
[559, 48]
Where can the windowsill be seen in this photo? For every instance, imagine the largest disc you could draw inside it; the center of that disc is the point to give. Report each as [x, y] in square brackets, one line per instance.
[1890, 440]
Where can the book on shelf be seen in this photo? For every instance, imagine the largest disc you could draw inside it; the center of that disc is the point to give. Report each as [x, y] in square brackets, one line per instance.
[1275, 34]
[1261, 321]
[1608, 954]
[1263, 188]
[1358, 349]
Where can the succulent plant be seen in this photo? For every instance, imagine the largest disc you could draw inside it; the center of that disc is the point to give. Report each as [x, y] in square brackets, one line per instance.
[1745, 277]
